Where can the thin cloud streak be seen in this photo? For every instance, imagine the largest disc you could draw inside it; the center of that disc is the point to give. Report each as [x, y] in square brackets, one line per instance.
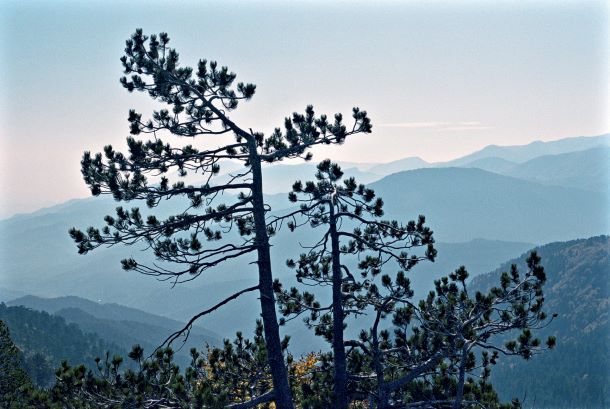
[466, 128]
[414, 124]
[440, 126]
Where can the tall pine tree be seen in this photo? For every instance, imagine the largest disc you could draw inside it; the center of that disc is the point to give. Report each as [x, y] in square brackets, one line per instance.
[350, 216]
[197, 106]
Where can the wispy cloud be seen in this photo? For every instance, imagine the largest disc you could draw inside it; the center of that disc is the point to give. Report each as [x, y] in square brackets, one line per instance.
[466, 128]
[440, 126]
[414, 124]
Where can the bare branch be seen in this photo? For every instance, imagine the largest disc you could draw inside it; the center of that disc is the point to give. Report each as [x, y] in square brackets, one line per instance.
[187, 328]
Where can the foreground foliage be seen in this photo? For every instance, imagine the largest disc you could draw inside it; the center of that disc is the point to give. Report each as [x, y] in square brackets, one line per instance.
[429, 361]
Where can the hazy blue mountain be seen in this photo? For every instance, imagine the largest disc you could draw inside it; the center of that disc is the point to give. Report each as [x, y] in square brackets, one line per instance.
[7, 294]
[485, 211]
[399, 166]
[364, 166]
[465, 203]
[523, 153]
[493, 158]
[39, 243]
[491, 164]
[460, 205]
[588, 169]
[185, 300]
[30, 241]
[500, 159]
[575, 374]
[480, 256]
[40, 258]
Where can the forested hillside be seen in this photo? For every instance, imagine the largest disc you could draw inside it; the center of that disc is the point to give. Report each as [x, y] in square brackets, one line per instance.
[120, 325]
[46, 340]
[14, 381]
[575, 375]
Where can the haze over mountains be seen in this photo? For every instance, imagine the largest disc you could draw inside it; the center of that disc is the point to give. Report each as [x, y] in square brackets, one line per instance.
[523, 153]
[485, 208]
[583, 169]
[569, 162]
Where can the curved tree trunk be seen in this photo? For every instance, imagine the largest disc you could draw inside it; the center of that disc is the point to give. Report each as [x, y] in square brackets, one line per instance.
[279, 373]
[382, 390]
[341, 398]
[457, 404]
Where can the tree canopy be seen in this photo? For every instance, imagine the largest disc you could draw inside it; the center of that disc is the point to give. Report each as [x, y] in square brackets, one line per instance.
[424, 356]
[197, 106]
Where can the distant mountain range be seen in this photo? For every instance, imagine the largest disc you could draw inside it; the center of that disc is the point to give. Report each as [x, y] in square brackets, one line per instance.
[485, 208]
[498, 159]
[95, 279]
[523, 153]
[589, 169]
[465, 203]
[575, 374]
[506, 160]
[493, 208]
[400, 165]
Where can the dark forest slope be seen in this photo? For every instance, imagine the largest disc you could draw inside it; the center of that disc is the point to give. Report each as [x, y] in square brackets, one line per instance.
[46, 340]
[576, 373]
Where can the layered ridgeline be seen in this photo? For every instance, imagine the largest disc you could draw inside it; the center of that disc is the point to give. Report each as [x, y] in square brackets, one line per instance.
[120, 325]
[46, 340]
[576, 373]
[524, 153]
[466, 203]
[588, 169]
[480, 218]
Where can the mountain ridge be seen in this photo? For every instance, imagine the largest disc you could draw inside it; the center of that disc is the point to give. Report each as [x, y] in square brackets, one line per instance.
[492, 206]
[571, 144]
[575, 374]
[522, 153]
[483, 205]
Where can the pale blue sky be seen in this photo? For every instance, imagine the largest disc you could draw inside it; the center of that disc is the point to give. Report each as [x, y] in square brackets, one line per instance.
[440, 79]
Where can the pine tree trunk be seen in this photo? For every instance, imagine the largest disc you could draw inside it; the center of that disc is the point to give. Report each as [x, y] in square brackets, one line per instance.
[279, 374]
[382, 391]
[341, 398]
[461, 379]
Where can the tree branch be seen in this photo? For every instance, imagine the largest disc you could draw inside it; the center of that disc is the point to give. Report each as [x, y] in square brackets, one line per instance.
[187, 328]
[265, 397]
